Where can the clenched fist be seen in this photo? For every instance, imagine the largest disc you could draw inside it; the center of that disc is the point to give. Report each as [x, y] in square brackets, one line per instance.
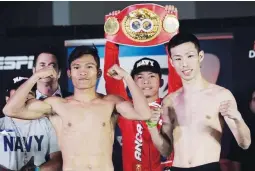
[46, 72]
[228, 109]
[117, 72]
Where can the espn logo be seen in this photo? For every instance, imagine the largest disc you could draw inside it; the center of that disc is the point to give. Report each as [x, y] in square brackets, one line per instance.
[252, 52]
[16, 62]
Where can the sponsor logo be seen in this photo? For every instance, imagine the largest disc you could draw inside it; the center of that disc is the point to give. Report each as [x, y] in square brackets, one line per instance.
[145, 63]
[16, 62]
[138, 142]
[18, 79]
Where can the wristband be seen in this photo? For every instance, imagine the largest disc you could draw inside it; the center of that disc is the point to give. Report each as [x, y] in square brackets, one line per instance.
[151, 124]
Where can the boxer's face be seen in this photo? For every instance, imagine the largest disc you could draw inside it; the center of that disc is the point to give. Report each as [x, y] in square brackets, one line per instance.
[252, 103]
[186, 60]
[84, 72]
[149, 82]
[44, 60]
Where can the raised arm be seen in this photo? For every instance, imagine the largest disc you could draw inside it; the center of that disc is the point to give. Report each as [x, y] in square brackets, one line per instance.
[139, 110]
[20, 106]
[233, 118]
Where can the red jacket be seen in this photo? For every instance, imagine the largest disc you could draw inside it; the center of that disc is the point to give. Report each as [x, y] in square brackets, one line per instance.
[139, 153]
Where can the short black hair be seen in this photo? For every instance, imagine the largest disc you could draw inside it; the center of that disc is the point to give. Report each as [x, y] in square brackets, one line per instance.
[84, 50]
[181, 38]
[50, 50]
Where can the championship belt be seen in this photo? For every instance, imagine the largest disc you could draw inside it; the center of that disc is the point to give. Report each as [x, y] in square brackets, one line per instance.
[141, 25]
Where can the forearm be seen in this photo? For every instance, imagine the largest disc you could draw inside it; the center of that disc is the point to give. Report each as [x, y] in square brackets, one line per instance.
[163, 145]
[139, 101]
[243, 134]
[18, 100]
[52, 165]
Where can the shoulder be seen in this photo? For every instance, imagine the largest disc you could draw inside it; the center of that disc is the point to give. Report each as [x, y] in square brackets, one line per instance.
[54, 99]
[168, 99]
[222, 93]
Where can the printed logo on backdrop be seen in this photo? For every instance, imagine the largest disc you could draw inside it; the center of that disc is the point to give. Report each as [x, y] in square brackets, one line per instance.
[252, 51]
[16, 62]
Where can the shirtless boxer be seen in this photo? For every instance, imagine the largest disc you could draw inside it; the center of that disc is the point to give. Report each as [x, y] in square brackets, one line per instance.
[84, 122]
[194, 115]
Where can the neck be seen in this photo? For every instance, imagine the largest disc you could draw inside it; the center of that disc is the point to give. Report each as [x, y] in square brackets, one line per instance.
[47, 89]
[152, 98]
[194, 85]
[85, 95]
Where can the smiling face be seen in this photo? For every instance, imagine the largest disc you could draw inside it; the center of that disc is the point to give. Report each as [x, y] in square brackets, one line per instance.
[84, 72]
[149, 83]
[186, 60]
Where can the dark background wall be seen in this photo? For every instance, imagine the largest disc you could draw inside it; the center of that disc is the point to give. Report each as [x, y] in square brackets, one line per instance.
[20, 14]
[23, 14]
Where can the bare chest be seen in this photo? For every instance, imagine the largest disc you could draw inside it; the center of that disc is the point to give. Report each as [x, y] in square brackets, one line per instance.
[197, 111]
[86, 117]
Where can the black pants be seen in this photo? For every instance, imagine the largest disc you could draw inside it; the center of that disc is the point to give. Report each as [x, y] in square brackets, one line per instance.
[207, 167]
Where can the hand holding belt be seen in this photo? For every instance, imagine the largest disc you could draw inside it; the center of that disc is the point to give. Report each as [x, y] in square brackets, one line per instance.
[141, 25]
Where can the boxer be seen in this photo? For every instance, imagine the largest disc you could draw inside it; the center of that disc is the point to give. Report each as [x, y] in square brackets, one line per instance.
[84, 122]
[194, 115]
[147, 75]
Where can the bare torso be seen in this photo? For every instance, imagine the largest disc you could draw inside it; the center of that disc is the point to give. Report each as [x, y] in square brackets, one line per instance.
[85, 134]
[197, 127]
